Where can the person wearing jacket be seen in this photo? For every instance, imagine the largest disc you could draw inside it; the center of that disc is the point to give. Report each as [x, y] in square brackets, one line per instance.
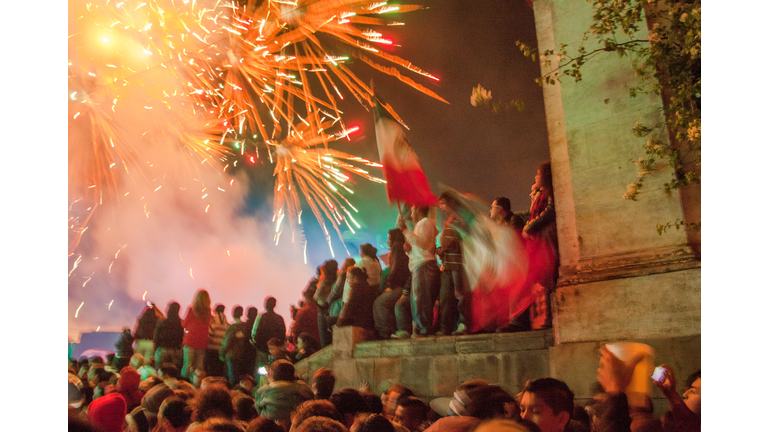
[328, 275]
[541, 247]
[284, 393]
[145, 331]
[358, 311]
[232, 350]
[384, 307]
[195, 342]
[267, 326]
[168, 338]
[124, 346]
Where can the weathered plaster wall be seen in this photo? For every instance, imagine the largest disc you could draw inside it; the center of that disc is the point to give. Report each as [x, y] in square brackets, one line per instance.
[590, 123]
[618, 277]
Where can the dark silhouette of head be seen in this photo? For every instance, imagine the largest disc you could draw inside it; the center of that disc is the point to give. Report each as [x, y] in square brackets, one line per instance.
[263, 424]
[173, 310]
[367, 249]
[349, 402]
[395, 237]
[176, 411]
[252, 314]
[237, 312]
[376, 423]
[314, 408]
[213, 401]
[323, 382]
[270, 303]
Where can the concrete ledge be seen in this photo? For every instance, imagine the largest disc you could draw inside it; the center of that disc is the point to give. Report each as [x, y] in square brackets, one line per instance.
[452, 345]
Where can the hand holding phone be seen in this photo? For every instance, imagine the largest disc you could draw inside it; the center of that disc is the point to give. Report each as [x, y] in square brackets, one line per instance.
[659, 374]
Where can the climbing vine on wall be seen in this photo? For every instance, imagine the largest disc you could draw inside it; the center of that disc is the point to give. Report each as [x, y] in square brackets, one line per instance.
[667, 63]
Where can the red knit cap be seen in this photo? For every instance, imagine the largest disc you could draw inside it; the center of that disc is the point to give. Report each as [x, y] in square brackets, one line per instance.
[108, 412]
[129, 379]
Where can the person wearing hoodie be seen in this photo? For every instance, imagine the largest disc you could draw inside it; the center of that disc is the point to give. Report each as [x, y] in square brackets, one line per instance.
[128, 387]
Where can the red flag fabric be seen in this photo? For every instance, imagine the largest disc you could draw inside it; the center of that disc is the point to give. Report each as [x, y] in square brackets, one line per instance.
[402, 171]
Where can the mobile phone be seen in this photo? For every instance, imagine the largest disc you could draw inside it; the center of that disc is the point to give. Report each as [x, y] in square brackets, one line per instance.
[262, 370]
[658, 374]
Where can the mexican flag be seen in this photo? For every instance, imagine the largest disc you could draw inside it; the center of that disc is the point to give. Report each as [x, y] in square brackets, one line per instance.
[405, 179]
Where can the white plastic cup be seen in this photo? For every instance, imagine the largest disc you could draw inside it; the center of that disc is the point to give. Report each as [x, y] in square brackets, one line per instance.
[640, 385]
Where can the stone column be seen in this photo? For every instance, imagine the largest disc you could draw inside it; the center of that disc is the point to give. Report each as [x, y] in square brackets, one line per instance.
[619, 279]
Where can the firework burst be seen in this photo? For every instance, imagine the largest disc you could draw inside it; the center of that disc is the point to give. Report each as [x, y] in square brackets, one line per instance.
[174, 86]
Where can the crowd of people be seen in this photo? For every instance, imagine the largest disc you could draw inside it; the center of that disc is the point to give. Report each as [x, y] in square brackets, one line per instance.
[140, 398]
[204, 373]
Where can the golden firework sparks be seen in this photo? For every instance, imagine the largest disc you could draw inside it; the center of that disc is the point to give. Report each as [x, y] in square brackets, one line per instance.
[189, 79]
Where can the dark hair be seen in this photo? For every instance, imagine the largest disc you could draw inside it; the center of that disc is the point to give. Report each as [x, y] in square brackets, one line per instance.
[237, 312]
[176, 411]
[214, 401]
[367, 249]
[270, 303]
[314, 408]
[545, 168]
[491, 400]
[324, 380]
[373, 402]
[309, 341]
[173, 310]
[402, 390]
[424, 211]
[252, 314]
[283, 370]
[553, 392]
[275, 342]
[396, 234]
[171, 370]
[376, 423]
[348, 401]
[445, 196]
[218, 424]
[415, 406]
[103, 375]
[220, 308]
[358, 273]
[245, 407]
[321, 424]
[691, 378]
[504, 203]
[97, 359]
[263, 424]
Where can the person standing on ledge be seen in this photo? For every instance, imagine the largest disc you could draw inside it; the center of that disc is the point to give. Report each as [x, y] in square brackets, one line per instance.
[540, 235]
[425, 285]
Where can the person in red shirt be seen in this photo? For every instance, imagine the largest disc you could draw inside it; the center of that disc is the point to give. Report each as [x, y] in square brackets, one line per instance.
[196, 333]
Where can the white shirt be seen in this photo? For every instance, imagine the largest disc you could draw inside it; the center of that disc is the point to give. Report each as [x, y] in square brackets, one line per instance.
[422, 240]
